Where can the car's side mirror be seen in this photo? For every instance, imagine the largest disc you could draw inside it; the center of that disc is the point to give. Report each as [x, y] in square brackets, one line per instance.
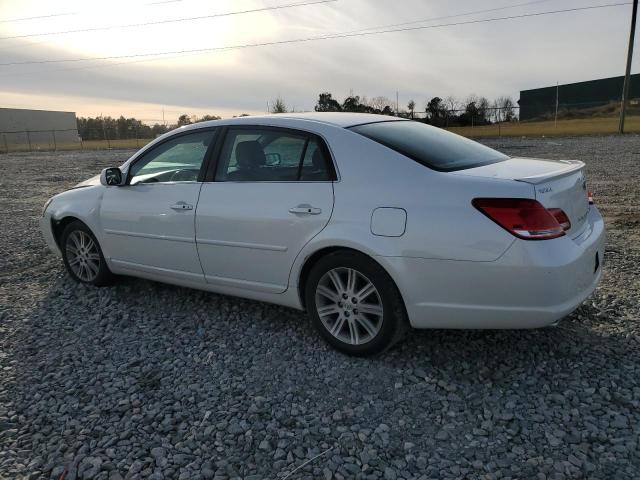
[111, 176]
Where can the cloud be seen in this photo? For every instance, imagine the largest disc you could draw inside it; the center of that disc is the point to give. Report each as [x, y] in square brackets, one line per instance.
[488, 59]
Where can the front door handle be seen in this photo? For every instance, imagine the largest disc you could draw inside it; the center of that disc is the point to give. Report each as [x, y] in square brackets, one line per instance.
[305, 210]
[182, 206]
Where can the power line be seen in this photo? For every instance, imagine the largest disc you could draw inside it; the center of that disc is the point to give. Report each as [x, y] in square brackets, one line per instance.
[107, 65]
[314, 38]
[413, 22]
[171, 20]
[487, 10]
[51, 15]
[81, 30]
[67, 14]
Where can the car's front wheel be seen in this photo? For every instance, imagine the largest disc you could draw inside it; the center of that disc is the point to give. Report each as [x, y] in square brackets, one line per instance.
[82, 255]
[354, 304]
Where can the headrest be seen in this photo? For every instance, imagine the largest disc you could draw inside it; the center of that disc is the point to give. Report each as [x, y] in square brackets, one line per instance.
[249, 154]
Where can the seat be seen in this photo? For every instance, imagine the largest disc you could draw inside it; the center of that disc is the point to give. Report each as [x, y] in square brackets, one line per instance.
[318, 171]
[250, 158]
[317, 160]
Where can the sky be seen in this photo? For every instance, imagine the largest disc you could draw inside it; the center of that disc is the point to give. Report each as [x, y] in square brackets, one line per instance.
[489, 59]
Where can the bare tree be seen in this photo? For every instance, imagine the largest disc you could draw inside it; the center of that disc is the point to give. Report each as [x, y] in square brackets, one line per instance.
[508, 108]
[451, 103]
[473, 109]
[504, 109]
[411, 106]
[278, 106]
[496, 114]
[483, 109]
[473, 98]
[378, 102]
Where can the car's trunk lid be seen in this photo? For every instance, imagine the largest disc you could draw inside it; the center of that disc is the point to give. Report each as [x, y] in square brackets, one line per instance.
[556, 183]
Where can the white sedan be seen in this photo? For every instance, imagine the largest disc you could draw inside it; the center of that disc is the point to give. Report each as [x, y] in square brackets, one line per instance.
[369, 223]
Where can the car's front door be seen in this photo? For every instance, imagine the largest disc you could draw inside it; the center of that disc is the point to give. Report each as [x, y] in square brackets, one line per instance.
[148, 224]
[271, 194]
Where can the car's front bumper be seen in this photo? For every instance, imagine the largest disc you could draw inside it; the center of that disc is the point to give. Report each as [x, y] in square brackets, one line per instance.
[533, 284]
[47, 233]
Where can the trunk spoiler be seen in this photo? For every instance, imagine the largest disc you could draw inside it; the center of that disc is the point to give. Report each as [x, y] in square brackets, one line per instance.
[569, 167]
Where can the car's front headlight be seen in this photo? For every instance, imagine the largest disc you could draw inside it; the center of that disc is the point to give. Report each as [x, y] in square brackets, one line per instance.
[46, 204]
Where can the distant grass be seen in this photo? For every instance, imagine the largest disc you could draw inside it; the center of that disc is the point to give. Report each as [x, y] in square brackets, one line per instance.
[103, 144]
[578, 126]
[86, 145]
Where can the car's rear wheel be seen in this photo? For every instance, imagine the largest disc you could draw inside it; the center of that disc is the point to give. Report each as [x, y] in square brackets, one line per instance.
[354, 304]
[82, 255]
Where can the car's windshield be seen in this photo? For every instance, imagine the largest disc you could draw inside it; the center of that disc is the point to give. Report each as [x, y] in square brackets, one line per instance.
[430, 146]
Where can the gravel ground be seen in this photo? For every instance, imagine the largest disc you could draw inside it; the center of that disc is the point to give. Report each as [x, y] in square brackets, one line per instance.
[144, 380]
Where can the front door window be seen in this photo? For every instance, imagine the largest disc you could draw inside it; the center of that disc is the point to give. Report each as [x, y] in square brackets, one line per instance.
[177, 160]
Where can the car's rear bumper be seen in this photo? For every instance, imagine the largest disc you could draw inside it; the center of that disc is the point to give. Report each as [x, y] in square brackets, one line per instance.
[533, 284]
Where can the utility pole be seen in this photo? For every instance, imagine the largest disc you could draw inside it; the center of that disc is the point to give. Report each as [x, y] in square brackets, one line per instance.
[557, 102]
[397, 104]
[627, 76]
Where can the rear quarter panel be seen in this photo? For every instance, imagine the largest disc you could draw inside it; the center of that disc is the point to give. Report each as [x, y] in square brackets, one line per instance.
[441, 222]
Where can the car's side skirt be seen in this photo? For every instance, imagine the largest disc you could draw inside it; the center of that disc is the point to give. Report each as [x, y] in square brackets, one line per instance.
[288, 298]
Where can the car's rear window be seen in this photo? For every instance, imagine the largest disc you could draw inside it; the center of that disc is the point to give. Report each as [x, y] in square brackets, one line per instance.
[433, 147]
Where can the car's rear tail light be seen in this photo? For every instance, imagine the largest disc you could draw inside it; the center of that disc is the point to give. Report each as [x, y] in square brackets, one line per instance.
[590, 197]
[561, 217]
[522, 217]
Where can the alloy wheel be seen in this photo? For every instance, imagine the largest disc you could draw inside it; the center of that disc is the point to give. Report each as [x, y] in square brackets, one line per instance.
[83, 256]
[349, 305]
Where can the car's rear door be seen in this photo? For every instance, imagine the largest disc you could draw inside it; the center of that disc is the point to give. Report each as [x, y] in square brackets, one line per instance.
[270, 194]
[148, 224]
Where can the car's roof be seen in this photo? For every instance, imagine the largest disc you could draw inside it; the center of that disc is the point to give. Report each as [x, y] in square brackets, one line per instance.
[338, 119]
[287, 120]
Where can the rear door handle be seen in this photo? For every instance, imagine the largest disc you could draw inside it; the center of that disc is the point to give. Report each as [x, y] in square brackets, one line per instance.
[182, 206]
[305, 210]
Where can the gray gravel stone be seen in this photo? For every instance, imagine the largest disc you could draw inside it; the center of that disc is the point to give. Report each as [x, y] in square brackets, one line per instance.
[143, 380]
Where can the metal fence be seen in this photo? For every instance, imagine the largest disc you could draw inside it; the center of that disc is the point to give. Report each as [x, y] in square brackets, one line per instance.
[20, 140]
[68, 139]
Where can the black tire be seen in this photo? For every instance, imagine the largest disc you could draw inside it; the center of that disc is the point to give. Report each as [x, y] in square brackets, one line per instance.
[104, 275]
[394, 318]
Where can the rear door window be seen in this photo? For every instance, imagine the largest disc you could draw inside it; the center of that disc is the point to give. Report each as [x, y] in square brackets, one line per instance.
[271, 155]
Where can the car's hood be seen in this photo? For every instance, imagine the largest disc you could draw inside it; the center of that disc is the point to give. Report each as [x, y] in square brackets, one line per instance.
[89, 182]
